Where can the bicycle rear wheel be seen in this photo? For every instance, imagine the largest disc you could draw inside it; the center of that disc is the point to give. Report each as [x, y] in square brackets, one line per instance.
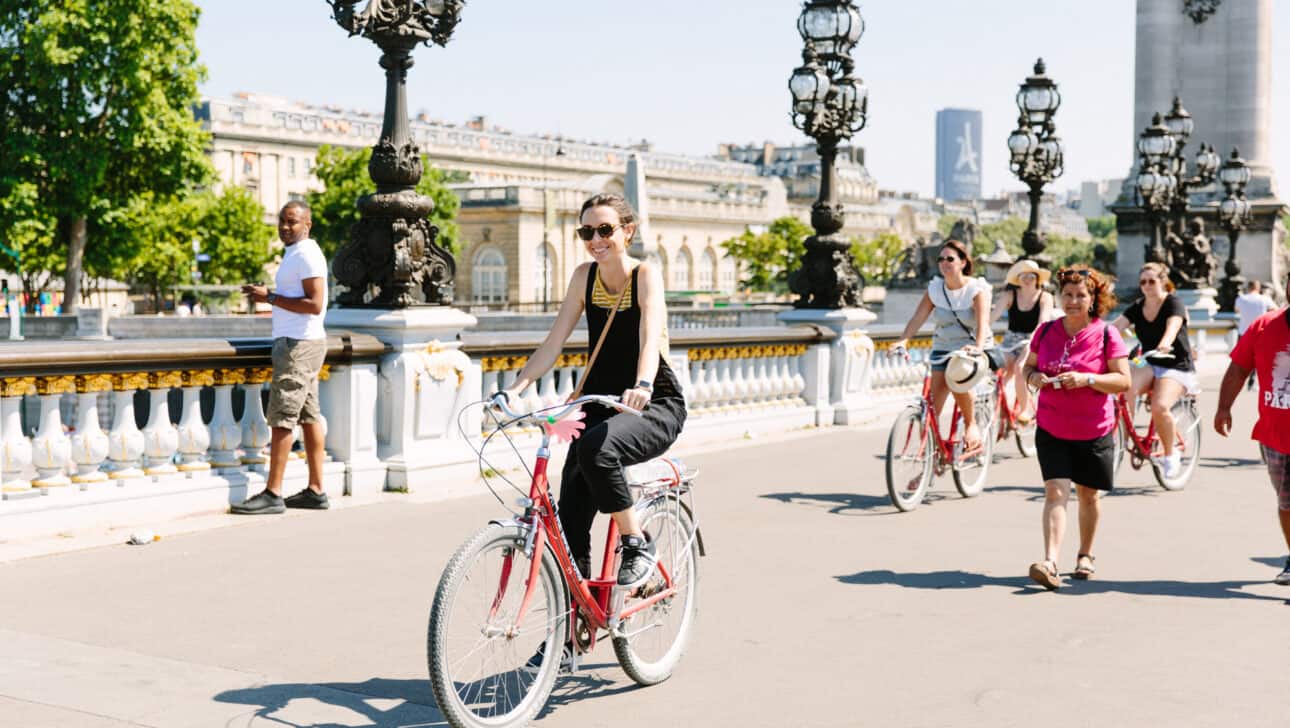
[970, 474]
[476, 652]
[1187, 428]
[909, 459]
[650, 642]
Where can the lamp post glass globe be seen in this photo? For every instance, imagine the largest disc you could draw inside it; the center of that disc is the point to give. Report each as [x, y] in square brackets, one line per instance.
[834, 28]
[1179, 121]
[1235, 172]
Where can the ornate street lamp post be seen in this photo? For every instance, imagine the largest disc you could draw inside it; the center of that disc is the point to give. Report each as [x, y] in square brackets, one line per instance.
[1034, 149]
[1155, 184]
[829, 104]
[393, 259]
[1180, 125]
[1234, 213]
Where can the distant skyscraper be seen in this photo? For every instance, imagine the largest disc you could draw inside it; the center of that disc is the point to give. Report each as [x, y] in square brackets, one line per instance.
[958, 154]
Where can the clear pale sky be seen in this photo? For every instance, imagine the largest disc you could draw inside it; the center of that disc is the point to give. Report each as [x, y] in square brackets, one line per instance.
[690, 74]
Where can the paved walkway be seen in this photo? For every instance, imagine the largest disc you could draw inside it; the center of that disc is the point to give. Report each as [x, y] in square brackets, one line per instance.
[819, 606]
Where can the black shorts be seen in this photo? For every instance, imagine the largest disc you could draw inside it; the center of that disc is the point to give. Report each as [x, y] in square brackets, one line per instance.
[1090, 463]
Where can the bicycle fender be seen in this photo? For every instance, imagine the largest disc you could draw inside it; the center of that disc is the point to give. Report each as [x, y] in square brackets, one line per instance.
[698, 532]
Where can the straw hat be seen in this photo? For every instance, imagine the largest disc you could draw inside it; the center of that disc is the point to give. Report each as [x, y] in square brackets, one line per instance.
[964, 371]
[1027, 266]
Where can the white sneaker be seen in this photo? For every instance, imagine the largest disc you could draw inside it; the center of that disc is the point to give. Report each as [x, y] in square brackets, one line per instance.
[1284, 577]
[1170, 465]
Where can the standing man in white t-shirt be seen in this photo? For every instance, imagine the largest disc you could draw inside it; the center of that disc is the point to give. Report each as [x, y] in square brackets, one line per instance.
[299, 348]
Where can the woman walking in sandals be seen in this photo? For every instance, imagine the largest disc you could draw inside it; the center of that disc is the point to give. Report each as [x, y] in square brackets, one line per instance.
[626, 320]
[1077, 363]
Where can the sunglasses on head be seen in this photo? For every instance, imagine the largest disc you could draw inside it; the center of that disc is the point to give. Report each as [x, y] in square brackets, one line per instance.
[587, 232]
[1079, 272]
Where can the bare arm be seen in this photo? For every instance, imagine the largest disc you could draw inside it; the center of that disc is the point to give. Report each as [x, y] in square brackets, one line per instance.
[1233, 379]
[565, 321]
[921, 313]
[1030, 370]
[981, 306]
[1001, 304]
[1122, 323]
[1172, 326]
[311, 303]
[1046, 307]
[653, 320]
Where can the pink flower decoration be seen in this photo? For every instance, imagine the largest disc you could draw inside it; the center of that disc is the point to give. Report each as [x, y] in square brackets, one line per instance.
[566, 429]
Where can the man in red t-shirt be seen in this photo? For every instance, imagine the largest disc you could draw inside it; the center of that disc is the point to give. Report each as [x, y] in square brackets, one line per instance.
[1265, 350]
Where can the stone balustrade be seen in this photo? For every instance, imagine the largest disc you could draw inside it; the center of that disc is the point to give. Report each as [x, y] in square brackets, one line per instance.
[119, 431]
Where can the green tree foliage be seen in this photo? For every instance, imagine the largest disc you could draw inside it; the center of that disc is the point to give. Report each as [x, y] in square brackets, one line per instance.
[26, 232]
[96, 102]
[876, 258]
[769, 257]
[343, 172]
[1101, 227]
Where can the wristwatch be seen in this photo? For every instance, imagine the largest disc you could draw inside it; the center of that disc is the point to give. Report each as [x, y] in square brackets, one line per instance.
[1091, 380]
[646, 385]
[270, 297]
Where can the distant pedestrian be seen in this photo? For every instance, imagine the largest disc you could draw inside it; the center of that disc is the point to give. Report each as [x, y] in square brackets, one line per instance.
[1264, 349]
[1077, 363]
[299, 348]
[1028, 305]
[1252, 304]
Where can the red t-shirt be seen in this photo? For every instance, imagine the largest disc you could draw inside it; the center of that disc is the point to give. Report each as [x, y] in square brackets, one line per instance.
[1082, 413]
[1265, 348]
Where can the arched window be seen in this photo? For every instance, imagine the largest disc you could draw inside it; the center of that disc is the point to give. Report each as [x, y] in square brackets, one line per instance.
[681, 270]
[544, 274]
[659, 258]
[488, 276]
[707, 270]
[729, 274]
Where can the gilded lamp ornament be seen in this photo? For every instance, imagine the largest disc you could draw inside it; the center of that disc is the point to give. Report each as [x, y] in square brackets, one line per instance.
[393, 259]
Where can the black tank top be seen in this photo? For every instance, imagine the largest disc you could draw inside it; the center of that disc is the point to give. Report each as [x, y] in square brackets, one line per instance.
[1024, 322]
[614, 371]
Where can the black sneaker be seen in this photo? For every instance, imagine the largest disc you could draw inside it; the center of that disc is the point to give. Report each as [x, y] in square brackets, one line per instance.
[308, 498]
[639, 560]
[535, 662]
[264, 502]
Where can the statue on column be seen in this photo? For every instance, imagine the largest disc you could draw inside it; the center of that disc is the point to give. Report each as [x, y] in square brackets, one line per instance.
[1192, 262]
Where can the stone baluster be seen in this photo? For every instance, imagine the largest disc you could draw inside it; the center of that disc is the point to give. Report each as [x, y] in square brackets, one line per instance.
[568, 366]
[255, 428]
[160, 436]
[763, 389]
[125, 441]
[194, 435]
[711, 384]
[795, 352]
[225, 432]
[725, 399]
[89, 443]
[51, 450]
[782, 380]
[15, 448]
[739, 383]
[547, 392]
[697, 387]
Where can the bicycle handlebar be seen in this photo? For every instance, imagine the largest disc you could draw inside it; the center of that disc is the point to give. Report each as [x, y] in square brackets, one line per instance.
[559, 411]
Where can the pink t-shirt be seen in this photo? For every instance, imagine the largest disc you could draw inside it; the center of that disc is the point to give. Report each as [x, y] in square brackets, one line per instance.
[1082, 413]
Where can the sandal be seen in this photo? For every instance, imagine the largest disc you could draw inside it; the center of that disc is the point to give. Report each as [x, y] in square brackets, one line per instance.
[1084, 570]
[1044, 573]
[1025, 420]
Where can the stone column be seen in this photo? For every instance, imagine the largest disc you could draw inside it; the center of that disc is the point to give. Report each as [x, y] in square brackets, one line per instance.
[194, 436]
[160, 437]
[847, 358]
[51, 449]
[125, 441]
[89, 443]
[225, 432]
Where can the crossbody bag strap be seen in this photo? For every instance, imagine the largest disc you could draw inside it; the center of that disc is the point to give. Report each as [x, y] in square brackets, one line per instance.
[601, 341]
[950, 306]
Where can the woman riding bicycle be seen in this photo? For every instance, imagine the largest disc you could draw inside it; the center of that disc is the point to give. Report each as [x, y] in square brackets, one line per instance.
[630, 364]
[960, 309]
[1159, 320]
[1027, 304]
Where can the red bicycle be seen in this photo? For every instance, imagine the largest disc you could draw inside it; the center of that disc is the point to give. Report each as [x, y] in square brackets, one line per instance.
[1008, 416]
[1143, 443]
[916, 449]
[511, 600]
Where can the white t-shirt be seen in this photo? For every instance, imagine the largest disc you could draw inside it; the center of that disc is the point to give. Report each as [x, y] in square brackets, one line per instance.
[1250, 306]
[300, 261]
[957, 299]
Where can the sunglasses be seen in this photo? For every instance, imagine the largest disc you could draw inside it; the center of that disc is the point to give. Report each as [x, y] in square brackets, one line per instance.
[947, 259]
[587, 232]
[1081, 273]
[1147, 282]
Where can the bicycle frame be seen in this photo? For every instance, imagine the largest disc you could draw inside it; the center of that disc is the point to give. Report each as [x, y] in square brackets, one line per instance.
[1144, 447]
[944, 446]
[594, 597]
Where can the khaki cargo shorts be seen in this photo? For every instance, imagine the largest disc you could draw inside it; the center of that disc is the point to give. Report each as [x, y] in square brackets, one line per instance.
[293, 394]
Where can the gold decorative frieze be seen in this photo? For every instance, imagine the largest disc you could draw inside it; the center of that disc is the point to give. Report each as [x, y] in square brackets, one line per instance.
[130, 380]
[325, 373]
[912, 344]
[165, 380]
[17, 386]
[86, 383]
[199, 378]
[55, 385]
[259, 375]
[229, 376]
[503, 363]
[754, 351]
[571, 360]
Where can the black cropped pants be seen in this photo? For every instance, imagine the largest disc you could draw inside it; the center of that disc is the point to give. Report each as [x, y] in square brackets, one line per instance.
[593, 478]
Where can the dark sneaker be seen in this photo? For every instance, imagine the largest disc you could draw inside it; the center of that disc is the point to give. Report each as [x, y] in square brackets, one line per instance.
[1284, 577]
[535, 662]
[639, 560]
[265, 502]
[308, 498]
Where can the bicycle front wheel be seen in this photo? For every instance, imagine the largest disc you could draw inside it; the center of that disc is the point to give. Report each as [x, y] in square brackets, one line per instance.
[1187, 428]
[909, 459]
[650, 642]
[488, 666]
[970, 474]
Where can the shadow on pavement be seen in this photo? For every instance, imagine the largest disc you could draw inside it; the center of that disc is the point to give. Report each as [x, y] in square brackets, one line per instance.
[341, 702]
[839, 502]
[1207, 461]
[970, 580]
[586, 684]
[1276, 561]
